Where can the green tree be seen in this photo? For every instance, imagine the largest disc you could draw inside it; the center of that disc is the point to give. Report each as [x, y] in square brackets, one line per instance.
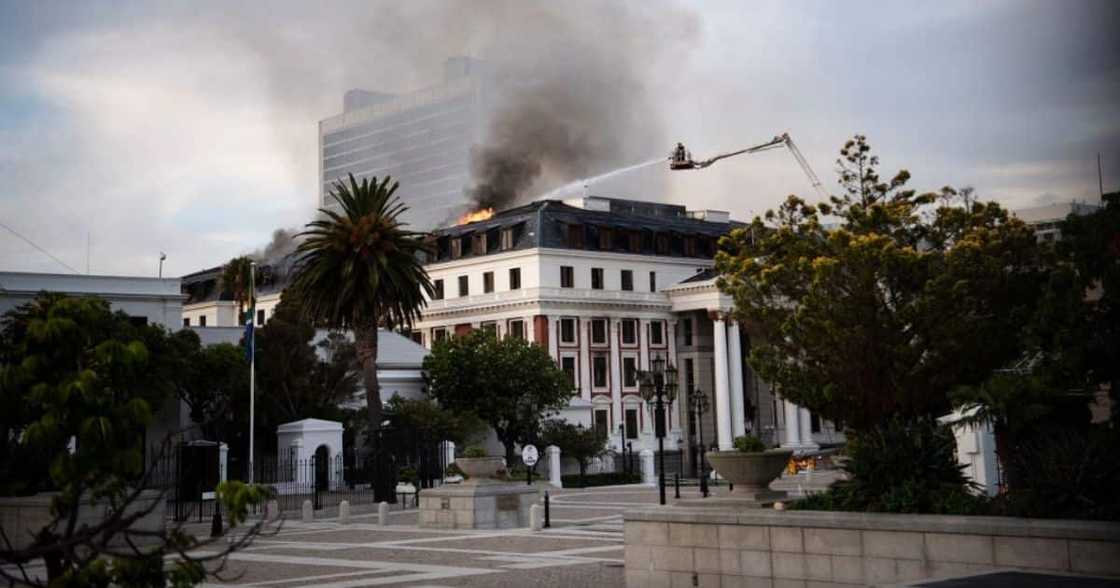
[237, 277]
[360, 269]
[576, 442]
[434, 423]
[86, 380]
[884, 314]
[509, 383]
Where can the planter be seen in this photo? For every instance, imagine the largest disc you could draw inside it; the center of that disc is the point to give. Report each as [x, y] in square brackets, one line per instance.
[480, 470]
[751, 473]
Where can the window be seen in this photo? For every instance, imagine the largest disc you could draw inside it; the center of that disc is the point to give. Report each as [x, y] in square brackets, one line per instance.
[596, 278]
[567, 330]
[630, 372]
[631, 423]
[629, 331]
[599, 371]
[260, 317]
[602, 422]
[506, 239]
[598, 331]
[439, 335]
[516, 329]
[688, 332]
[690, 246]
[464, 286]
[628, 280]
[662, 244]
[567, 276]
[605, 239]
[478, 244]
[489, 326]
[456, 248]
[575, 236]
[515, 278]
[437, 290]
[653, 281]
[487, 282]
[417, 337]
[568, 364]
[634, 242]
[187, 321]
[202, 321]
[656, 333]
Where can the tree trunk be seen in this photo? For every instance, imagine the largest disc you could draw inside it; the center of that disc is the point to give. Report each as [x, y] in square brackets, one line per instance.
[366, 346]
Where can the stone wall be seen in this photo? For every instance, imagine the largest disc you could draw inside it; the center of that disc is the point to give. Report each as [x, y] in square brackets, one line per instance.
[679, 546]
[22, 517]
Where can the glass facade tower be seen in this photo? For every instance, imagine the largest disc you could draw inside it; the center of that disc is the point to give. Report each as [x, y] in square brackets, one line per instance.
[422, 139]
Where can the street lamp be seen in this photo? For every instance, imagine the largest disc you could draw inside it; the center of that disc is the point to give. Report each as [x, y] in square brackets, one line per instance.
[659, 385]
[698, 405]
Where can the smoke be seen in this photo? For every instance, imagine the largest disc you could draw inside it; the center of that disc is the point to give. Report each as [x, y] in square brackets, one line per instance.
[577, 95]
[277, 258]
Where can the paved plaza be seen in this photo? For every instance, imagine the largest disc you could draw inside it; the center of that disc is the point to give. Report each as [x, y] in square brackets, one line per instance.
[584, 547]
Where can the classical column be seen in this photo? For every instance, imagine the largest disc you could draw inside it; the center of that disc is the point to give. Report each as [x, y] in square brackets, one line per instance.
[807, 430]
[643, 344]
[553, 340]
[793, 429]
[735, 366]
[723, 399]
[584, 361]
[615, 368]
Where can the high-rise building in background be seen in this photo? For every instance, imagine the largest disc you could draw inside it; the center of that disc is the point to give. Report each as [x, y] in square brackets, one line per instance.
[421, 139]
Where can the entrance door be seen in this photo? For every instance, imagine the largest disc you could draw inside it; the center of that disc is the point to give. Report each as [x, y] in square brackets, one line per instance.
[322, 468]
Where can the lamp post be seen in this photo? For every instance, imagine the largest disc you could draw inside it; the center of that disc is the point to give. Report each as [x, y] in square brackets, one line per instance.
[698, 403]
[659, 385]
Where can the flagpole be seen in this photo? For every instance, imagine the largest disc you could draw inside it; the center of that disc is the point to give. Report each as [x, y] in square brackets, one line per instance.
[252, 364]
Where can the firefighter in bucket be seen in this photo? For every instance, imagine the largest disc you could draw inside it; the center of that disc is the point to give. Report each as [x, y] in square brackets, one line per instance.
[680, 158]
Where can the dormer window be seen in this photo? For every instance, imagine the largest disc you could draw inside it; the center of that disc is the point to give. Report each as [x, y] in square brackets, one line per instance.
[456, 248]
[507, 239]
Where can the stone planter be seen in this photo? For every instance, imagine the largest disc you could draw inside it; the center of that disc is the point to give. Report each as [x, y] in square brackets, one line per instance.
[751, 473]
[480, 470]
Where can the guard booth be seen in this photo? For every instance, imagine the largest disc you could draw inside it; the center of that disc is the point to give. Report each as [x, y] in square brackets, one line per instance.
[200, 472]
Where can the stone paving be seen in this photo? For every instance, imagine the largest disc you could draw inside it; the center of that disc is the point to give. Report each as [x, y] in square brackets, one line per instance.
[584, 547]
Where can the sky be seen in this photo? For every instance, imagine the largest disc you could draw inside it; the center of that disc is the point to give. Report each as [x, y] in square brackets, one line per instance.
[131, 128]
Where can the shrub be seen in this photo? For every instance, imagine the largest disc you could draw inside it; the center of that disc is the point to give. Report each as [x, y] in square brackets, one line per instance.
[901, 467]
[749, 444]
[408, 476]
[474, 451]
[453, 470]
[592, 480]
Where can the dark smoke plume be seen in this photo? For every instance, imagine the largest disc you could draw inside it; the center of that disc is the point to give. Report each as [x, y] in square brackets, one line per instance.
[575, 96]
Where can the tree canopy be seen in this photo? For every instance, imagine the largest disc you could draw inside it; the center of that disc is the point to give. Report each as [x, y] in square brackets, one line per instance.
[884, 313]
[83, 383]
[359, 268]
[575, 441]
[509, 383]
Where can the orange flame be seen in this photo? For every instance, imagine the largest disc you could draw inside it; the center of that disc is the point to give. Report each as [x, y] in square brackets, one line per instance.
[475, 216]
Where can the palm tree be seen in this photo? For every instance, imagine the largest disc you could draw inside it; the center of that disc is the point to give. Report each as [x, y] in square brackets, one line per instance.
[236, 280]
[360, 269]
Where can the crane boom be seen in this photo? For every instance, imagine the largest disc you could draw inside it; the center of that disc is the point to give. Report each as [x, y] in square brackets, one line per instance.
[681, 159]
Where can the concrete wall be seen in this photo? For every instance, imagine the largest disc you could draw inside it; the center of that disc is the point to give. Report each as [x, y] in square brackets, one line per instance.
[708, 547]
[22, 517]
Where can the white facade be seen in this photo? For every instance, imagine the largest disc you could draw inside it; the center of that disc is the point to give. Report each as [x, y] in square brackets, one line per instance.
[224, 313]
[156, 300]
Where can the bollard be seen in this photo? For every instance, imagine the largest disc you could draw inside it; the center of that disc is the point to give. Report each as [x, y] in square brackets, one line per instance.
[383, 513]
[535, 517]
[677, 485]
[272, 510]
[547, 522]
[344, 512]
[308, 512]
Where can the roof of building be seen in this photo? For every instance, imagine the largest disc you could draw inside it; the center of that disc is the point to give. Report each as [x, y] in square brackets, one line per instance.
[203, 285]
[545, 223]
[130, 286]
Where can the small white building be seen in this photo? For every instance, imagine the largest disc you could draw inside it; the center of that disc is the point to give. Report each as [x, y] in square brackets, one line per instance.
[152, 301]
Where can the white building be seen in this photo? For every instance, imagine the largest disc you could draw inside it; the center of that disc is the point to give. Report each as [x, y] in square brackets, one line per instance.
[153, 301]
[607, 285]
[421, 139]
[208, 305]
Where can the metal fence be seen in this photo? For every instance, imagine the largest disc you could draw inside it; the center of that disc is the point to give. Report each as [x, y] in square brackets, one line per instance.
[189, 473]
